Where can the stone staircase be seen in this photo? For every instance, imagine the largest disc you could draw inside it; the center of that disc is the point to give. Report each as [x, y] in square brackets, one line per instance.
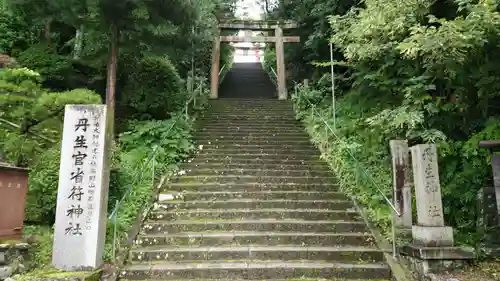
[247, 80]
[256, 203]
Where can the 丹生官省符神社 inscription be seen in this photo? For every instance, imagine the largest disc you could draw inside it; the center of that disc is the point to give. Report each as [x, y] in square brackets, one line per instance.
[427, 186]
[82, 193]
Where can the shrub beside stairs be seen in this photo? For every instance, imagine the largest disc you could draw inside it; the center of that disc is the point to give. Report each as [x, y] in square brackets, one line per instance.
[256, 203]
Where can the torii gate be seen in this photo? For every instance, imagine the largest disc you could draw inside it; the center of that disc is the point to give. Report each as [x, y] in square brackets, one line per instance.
[254, 25]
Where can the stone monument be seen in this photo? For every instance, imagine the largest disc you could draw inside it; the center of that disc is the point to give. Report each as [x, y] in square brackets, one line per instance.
[82, 195]
[432, 249]
[489, 204]
[402, 187]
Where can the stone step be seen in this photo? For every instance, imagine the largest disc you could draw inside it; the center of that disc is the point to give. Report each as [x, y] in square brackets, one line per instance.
[251, 179]
[256, 151]
[243, 114]
[257, 126]
[242, 158]
[224, 142]
[275, 213]
[247, 138]
[250, 101]
[253, 160]
[257, 134]
[215, 121]
[299, 279]
[237, 117]
[251, 130]
[250, 115]
[248, 104]
[257, 195]
[263, 110]
[250, 187]
[251, 104]
[258, 238]
[170, 227]
[284, 253]
[256, 204]
[257, 270]
[256, 165]
[259, 172]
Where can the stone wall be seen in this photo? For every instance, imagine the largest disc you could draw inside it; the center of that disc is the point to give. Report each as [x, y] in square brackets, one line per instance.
[13, 259]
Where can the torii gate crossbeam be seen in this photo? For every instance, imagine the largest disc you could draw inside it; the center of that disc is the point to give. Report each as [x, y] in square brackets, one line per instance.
[278, 39]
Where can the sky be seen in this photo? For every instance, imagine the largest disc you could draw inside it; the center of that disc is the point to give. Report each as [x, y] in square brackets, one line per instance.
[253, 8]
[254, 12]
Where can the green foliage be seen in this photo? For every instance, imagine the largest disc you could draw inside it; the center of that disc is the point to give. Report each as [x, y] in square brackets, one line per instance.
[59, 72]
[355, 153]
[35, 110]
[269, 61]
[42, 256]
[67, 44]
[148, 148]
[39, 111]
[314, 31]
[417, 70]
[49, 64]
[15, 34]
[152, 89]
[43, 182]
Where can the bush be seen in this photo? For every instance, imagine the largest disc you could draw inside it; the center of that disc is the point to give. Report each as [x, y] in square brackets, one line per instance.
[60, 72]
[53, 67]
[42, 193]
[132, 182]
[15, 34]
[463, 165]
[20, 76]
[37, 110]
[152, 89]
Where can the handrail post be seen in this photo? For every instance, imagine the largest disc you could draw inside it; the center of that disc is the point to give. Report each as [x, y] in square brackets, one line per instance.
[115, 229]
[393, 226]
[153, 170]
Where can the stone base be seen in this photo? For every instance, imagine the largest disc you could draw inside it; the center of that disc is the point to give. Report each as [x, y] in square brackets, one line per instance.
[425, 260]
[490, 251]
[403, 236]
[432, 236]
[438, 253]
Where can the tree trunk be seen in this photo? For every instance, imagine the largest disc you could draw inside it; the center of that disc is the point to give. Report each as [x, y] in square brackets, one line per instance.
[111, 78]
[78, 47]
[47, 30]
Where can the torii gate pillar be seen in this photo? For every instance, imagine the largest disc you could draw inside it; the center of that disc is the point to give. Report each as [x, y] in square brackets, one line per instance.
[280, 64]
[214, 91]
[278, 39]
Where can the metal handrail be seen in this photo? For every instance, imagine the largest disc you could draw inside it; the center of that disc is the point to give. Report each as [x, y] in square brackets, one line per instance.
[377, 187]
[274, 72]
[221, 69]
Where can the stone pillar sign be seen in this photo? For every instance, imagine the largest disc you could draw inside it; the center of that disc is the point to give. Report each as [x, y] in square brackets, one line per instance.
[432, 249]
[82, 194]
[430, 229]
[402, 184]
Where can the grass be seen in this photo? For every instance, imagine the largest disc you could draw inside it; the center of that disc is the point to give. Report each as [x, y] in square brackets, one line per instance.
[43, 237]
